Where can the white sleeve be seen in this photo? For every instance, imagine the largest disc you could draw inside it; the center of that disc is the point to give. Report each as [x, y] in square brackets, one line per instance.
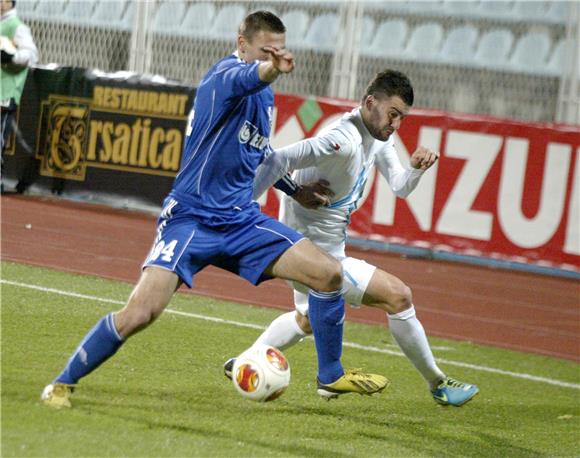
[300, 155]
[309, 152]
[401, 180]
[26, 52]
[273, 167]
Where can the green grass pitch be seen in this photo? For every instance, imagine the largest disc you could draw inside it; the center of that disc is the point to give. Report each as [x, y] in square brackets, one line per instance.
[164, 394]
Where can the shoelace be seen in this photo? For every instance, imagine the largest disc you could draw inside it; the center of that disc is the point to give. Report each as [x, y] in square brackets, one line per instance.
[358, 372]
[454, 383]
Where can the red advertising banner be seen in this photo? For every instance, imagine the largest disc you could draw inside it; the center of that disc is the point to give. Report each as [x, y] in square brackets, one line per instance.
[501, 189]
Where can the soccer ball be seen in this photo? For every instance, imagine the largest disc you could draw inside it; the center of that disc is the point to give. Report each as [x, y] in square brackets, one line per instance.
[261, 373]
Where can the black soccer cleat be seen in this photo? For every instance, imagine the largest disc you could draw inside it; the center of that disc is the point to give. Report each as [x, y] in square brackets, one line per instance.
[229, 367]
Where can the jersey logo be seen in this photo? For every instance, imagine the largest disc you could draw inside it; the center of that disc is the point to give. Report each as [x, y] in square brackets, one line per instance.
[249, 134]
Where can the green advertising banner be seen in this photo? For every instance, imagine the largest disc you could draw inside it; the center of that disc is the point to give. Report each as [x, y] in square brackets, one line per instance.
[86, 131]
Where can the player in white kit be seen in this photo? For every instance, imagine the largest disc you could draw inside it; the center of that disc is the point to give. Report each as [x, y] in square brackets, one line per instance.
[343, 155]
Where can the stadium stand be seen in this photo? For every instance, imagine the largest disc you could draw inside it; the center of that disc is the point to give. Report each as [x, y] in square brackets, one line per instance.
[78, 11]
[322, 32]
[368, 32]
[494, 48]
[109, 14]
[47, 11]
[462, 8]
[296, 22]
[198, 20]
[459, 45]
[26, 8]
[555, 63]
[128, 17]
[389, 40]
[496, 9]
[530, 53]
[169, 17]
[448, 47]
[558, 11]
[226, 22]
[531, 11]
[425, 42]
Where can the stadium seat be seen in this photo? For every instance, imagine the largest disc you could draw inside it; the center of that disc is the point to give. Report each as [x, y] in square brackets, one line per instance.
[430, 8]
[168, 17]
[198, 20]
[530, 10]
[78, 11]
[557, 58]
[389, 39]
[322, 33]
[296, 22]
[494, 48]
[425, 42]
[368, 32]
[109, 14]
[459, 45]
[496, 9]
[530, 53]
[128, 17]
[227, 21]
[461, 8]
[26, 8]
[558, 11]
[49, 10]
[399, 6]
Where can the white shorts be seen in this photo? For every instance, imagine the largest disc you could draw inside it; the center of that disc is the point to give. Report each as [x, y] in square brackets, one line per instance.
[356, 275]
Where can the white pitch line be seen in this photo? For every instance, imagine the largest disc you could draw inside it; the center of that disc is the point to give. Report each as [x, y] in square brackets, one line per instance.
[476, 367]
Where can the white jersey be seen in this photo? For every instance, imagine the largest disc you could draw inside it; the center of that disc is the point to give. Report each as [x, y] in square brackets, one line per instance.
[342, 154]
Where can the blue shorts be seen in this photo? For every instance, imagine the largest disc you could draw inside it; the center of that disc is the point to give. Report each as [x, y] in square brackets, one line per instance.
[187, 241]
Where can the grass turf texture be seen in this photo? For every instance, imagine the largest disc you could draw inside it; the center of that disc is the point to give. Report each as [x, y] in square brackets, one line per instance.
[164, 394]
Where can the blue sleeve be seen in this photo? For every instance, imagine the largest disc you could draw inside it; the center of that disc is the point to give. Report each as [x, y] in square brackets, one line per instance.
[287, 185]
[241, 79]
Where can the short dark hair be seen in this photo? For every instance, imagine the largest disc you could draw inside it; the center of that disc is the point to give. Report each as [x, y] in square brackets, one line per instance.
[390, 83]
[258, 21]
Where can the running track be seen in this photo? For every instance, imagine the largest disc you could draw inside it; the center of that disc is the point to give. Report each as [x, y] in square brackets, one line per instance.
[519, 311]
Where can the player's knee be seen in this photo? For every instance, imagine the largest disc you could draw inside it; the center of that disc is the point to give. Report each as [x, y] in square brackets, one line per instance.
[331, 278]
[402, 299]
[303, 323]
[135, 317]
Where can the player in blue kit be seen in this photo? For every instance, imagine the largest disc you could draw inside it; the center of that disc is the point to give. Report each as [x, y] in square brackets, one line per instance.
[210, 218]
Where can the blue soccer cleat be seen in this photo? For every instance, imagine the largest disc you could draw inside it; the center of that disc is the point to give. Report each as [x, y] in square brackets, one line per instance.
[451, 392]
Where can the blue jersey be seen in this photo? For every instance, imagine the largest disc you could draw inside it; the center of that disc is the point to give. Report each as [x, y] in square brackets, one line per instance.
[227, 138]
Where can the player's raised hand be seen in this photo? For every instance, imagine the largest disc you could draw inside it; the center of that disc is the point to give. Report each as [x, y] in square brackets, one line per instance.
[314, 195]
[281, 59]
[423, 158]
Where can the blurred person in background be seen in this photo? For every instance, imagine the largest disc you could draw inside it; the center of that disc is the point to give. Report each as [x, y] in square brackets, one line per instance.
[18, 52]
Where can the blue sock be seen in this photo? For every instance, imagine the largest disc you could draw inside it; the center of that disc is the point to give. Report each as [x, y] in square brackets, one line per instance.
[326, 314]
[99, 344]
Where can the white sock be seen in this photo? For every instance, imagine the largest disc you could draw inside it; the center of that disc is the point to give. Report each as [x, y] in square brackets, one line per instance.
[410, 335]
[282, 333]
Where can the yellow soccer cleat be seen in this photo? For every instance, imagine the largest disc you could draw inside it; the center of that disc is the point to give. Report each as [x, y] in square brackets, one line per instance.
[57, 395]
[353, 381]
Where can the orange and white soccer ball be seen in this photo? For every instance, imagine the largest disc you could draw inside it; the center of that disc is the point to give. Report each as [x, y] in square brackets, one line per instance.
[261, 373]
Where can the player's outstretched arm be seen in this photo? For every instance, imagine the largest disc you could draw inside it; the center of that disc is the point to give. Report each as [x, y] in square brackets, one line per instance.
[281, 61]
[403, 180]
